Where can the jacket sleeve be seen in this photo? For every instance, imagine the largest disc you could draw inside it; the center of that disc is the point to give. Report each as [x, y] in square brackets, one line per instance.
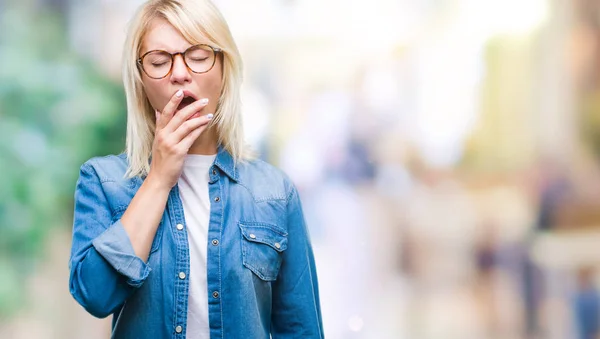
[296, 309]
[104, 270]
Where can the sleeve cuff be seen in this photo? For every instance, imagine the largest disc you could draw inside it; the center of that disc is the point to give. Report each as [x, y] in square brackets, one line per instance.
[115, 247]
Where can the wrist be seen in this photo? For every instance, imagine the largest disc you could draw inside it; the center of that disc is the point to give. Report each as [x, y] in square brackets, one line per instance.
[157, 184]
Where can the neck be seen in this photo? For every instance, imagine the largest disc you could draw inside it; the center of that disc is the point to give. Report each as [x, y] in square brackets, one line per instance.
[206, 144]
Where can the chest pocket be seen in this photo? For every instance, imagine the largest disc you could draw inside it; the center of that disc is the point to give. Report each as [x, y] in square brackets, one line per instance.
[262, 246]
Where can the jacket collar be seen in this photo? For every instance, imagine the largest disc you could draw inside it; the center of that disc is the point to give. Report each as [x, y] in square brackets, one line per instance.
[224, 161]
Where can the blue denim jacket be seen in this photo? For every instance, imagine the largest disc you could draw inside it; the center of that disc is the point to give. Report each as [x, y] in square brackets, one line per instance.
[261, 273]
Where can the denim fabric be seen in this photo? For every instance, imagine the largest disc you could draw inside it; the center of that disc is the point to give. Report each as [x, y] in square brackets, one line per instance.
[261, 275]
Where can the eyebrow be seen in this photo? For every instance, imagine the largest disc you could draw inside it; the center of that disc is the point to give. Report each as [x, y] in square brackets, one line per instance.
[164, 48]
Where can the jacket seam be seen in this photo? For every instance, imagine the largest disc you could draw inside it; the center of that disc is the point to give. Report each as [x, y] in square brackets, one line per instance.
[256, 200]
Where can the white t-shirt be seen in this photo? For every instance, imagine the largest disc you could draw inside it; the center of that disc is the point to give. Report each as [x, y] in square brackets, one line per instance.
[193, 189]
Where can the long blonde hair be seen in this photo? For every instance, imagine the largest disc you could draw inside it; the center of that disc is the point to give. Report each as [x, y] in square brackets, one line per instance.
[193, 19]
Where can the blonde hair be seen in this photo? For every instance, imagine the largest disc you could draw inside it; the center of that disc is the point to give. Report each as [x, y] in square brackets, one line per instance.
[193, 19]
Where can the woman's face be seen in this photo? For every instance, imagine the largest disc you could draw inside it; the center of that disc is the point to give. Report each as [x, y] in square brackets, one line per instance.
[162, 36]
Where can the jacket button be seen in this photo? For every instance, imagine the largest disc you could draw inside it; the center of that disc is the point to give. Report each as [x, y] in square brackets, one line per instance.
[181, 275]
[180, 226]
[217, 199]
[178, 329]
[252, 236]
[215, 294]
[214, 172]
[215, 242]
[277, 245]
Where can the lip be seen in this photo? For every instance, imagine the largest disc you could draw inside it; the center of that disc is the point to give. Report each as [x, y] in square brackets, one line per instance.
[187, 93]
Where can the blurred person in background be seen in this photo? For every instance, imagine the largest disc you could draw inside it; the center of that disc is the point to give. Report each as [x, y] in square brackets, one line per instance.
[553, 189]
[486, 248]
[586, 305]
[187, 235]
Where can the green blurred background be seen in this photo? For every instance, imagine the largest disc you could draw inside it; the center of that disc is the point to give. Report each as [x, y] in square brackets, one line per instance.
[57, 109]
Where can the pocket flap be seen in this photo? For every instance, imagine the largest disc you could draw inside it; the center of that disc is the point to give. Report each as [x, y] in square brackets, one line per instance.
[264, 233]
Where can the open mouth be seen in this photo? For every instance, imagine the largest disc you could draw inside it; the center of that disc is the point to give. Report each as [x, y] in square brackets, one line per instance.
[186, 101]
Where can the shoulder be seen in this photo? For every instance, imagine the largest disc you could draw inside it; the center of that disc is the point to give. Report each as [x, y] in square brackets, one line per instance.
[103, 180]
[265, 181]
[109, 168]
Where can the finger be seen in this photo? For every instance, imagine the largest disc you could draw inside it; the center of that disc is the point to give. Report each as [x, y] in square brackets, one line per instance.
[190, 125]
[186, 113]
[170, 108]
[189, 139]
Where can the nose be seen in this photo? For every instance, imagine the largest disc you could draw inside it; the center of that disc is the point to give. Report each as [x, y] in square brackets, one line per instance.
[180, 74]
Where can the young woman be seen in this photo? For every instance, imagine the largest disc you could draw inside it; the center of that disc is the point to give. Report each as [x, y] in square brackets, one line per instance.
[186, 235]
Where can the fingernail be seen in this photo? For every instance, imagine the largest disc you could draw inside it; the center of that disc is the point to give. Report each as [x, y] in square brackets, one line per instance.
[204, 101]
[179, 93]
[156, 113]
[209, 116]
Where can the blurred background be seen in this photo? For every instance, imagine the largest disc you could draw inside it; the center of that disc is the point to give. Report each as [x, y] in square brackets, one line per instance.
[447, 153]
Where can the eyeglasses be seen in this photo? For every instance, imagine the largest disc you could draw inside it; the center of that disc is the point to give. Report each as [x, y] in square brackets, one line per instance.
[158, 64]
